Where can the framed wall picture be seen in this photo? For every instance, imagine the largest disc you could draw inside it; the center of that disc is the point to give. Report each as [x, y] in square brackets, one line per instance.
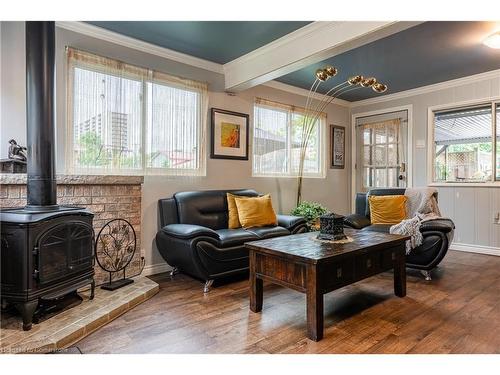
[337, 147]
[229, 135]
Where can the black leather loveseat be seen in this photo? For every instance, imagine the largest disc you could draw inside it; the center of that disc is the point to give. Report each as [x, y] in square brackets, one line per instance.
[194, 238]
[435, 233]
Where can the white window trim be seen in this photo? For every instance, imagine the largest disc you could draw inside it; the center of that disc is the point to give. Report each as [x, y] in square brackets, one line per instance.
[409, 163]
[322, 162]
[430, 141]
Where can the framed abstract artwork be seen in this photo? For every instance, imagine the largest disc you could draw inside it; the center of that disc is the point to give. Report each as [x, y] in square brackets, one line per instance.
[229, 135]
[337, 147]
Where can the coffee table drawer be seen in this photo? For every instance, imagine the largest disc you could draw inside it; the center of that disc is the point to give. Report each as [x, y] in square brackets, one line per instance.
[368, 264]
[389, 257]
[338, 274]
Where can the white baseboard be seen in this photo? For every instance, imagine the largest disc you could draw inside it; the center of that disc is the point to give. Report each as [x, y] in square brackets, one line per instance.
[153, 269]
[487, 250]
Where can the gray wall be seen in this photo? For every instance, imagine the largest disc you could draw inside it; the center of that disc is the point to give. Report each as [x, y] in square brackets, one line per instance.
[471, 207]
[333, 191]
[12, 94]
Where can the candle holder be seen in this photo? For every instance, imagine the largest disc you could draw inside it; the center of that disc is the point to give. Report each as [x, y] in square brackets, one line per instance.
[331, 227]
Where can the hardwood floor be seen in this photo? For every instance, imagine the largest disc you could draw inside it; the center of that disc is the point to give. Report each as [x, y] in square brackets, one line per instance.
[457, 312]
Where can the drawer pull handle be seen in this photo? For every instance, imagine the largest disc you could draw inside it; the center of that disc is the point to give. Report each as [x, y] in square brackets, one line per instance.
[339, 273]
[368, 263]
[393, 255]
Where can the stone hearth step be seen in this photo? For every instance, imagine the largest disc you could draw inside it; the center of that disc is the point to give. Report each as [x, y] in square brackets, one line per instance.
[70, 326]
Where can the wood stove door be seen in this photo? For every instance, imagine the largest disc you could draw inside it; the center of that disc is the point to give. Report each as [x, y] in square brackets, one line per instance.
[64, 250]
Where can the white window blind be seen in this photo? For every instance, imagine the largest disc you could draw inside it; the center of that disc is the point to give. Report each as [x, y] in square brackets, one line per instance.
[277, 137]
[124, 119]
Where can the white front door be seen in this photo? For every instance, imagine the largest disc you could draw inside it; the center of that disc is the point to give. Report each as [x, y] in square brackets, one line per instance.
[381, 151]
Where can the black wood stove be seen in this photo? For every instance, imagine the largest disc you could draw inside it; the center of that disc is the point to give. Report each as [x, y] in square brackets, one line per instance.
[47, 250]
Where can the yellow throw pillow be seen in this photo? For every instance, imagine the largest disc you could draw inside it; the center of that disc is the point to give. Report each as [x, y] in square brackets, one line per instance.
[255, 211]
[387, 209]
[233, 220]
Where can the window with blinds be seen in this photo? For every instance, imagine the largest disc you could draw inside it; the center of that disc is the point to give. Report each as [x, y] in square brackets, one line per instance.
[277, 139]
[463, 146]
[124, 119]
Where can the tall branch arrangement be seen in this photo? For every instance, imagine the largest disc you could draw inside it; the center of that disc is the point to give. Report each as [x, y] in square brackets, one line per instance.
[315, 108]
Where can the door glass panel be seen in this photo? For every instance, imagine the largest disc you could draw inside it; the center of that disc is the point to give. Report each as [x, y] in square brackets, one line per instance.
[367, 157]
[392, 177]
[380, 152]
[380, 134]
[367, 136]
[392, 132]
[367, 177]
[392, 155]
[380, 177]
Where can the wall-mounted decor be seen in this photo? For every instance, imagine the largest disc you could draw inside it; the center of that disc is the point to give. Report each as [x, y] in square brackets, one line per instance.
[229, 136]
[337, 147]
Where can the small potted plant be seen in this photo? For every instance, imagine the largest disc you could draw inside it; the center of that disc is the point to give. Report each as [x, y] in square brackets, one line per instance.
[310, 211]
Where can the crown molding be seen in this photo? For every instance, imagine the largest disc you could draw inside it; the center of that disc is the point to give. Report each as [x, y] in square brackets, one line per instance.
[129, 42]
[302, 92]
[429, 88]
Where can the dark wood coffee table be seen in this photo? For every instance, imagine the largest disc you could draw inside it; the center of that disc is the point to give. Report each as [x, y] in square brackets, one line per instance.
[315, 268]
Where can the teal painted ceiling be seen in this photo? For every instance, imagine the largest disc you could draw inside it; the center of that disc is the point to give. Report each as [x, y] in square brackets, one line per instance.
[217, 41]
[425, 54]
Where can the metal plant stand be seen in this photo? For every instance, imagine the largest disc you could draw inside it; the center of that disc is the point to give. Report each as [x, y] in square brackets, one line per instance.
[115, 248]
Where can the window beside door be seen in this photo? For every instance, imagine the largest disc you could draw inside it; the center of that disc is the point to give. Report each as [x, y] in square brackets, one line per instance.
[463, 146]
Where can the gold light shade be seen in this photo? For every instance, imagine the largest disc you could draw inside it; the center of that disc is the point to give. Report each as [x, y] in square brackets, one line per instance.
[355, 80]
[379, 87]
[368, 82]
[330, 71]
[321, 75]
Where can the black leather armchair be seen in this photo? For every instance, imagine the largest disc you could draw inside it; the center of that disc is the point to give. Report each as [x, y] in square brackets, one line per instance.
[193, 235]
[435, 233]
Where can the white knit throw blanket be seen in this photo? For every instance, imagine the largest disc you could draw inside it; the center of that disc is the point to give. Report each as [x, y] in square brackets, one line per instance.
[421, 205]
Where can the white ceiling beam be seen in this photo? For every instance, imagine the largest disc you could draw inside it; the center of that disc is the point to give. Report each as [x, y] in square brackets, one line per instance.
[308, 45]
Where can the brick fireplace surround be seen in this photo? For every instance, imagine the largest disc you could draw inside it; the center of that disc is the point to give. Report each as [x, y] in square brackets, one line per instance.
[108, 197]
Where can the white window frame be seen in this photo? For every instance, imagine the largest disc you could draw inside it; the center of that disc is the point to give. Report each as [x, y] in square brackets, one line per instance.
[409, 163]
[493, 101]
[322, 150]
[70, 166]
